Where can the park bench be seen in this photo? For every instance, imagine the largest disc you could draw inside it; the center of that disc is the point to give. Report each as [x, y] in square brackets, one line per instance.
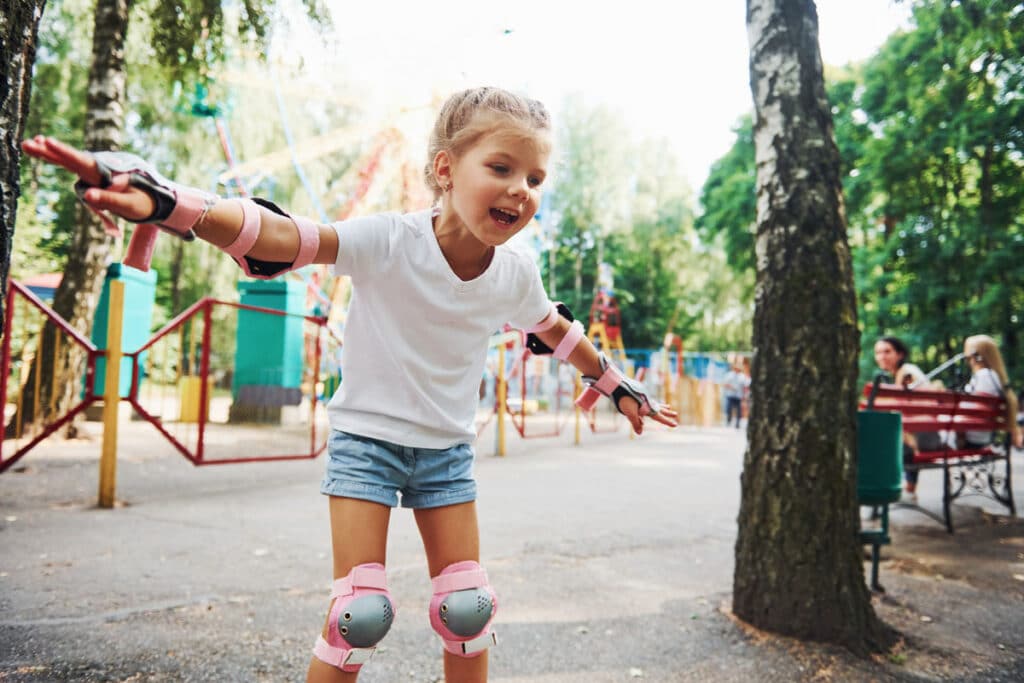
[966, 469]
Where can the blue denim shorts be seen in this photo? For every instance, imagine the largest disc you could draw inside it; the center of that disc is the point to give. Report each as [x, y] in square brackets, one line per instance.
[378, 471]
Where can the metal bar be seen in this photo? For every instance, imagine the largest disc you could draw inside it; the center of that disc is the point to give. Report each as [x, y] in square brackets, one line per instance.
[204, 373]
[269, 458]
[174, 324]
[155, 421]
[46, 432]
[50, 313]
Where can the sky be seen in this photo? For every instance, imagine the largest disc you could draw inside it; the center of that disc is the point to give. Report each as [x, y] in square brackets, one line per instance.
[676, 70]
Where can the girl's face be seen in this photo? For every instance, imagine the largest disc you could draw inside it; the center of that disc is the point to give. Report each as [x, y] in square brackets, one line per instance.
[496, 184]
[973, 357]
[887, 357]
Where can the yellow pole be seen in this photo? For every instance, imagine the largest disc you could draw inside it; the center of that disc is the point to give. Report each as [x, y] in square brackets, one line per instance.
[502, 393]
[111, 395]
[577, 389]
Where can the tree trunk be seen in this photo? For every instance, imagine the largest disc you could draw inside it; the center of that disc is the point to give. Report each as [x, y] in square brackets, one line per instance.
[78, 294]
[19, 25]
[799, 568]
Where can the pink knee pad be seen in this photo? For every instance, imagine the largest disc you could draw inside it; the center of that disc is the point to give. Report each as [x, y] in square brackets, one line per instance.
[462, 609]
[360, 617]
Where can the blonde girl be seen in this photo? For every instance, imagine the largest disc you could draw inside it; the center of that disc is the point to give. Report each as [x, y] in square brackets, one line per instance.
[988, 376]
[429, 288]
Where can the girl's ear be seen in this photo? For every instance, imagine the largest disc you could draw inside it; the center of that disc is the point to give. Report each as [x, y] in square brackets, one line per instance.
[443, 168]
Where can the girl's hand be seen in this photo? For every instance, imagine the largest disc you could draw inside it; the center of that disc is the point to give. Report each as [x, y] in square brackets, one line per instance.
[631, 409]
[118, 198]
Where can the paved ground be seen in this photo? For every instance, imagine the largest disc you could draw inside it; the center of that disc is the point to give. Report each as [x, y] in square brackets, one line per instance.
[613, 562]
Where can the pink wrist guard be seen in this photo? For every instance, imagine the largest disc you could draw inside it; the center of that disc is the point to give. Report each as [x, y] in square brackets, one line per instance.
[176, 208]
[615, 385]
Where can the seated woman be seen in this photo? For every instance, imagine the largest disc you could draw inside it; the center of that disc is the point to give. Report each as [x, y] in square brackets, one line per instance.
[988, 376]
[891, 357]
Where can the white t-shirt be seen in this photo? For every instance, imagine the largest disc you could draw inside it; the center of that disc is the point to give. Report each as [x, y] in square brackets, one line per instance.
[416, 335]
[983, 381]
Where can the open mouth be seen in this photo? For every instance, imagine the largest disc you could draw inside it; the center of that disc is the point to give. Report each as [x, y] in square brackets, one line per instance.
[504, 217]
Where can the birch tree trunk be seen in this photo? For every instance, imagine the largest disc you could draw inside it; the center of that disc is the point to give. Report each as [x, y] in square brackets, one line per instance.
[799, 568]
[19, 26]
[77, 295]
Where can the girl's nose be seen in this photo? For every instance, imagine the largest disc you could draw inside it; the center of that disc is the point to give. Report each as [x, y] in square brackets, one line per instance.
[519, 188]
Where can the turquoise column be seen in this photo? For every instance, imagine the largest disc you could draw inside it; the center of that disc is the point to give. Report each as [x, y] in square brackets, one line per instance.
[139, 297]
[269, 351]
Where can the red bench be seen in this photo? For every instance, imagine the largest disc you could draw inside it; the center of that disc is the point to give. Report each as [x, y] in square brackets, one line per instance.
[967, 470]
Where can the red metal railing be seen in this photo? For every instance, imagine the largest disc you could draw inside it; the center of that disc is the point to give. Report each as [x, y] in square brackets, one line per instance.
[198, 454]
[55, 422]
[319, 338]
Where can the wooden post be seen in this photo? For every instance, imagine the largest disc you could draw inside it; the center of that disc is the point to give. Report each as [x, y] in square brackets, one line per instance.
[111, 395]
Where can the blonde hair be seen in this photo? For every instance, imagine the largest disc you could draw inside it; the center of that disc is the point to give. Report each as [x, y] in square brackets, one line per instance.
[986, 348]
[469, 115]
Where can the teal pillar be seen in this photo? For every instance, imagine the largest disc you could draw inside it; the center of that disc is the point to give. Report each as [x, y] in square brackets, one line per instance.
[269, 351]
[139, 297]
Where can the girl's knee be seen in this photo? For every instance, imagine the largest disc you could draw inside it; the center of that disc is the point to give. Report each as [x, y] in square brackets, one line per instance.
[360, 615]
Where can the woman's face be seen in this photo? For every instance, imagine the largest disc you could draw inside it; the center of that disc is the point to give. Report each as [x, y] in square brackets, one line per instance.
[973, 357]
[887, 357]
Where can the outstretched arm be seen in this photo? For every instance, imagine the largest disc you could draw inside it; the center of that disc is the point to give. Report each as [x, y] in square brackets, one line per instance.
[277, 237]
[587, 360]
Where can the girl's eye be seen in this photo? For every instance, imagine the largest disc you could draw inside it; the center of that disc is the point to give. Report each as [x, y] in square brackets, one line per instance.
[499, 168]
[534, 181]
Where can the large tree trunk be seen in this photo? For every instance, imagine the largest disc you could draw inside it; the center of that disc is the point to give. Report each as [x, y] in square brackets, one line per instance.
[799, 568]
[19, 25]
[78, 294]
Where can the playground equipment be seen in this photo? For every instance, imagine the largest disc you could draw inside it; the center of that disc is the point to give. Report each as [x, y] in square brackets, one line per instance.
[185, 365]
[605, 328]
[535, 394]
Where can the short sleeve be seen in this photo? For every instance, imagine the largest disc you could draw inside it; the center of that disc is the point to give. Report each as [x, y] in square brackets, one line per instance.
[535, 304]
[364, 244]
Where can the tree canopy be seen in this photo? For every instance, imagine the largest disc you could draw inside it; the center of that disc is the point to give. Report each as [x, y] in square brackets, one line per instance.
[930, 136]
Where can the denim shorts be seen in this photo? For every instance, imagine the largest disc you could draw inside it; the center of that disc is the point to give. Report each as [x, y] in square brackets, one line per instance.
[378, 471]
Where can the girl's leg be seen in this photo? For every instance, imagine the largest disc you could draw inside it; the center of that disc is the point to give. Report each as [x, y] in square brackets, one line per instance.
[359, 532]
[450, 534]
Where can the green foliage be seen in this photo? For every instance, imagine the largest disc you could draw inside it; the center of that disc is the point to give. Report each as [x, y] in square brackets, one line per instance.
[728, 198]
[625, 203]
[930, 134]
[170, 59]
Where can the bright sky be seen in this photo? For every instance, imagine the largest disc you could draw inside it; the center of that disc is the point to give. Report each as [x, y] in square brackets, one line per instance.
[673, 69]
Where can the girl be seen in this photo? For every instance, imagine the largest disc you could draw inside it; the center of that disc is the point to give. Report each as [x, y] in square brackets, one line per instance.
[988, 376]
[429, 288]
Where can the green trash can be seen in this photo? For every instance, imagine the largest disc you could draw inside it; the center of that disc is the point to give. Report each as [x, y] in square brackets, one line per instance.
[879, 457]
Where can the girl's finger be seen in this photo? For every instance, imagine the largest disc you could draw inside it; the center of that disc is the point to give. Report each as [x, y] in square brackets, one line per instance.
[133, 205]
[80, 163]
[56, 152]
[36, 147]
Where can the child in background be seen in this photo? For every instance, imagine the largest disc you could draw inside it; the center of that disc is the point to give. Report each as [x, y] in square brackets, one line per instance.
[429, 288]
[988, 376]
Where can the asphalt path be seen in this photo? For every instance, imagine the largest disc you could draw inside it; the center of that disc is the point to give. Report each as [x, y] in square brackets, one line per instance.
[612, 560]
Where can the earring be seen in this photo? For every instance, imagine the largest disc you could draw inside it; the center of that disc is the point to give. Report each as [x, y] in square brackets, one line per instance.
[448, 187]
